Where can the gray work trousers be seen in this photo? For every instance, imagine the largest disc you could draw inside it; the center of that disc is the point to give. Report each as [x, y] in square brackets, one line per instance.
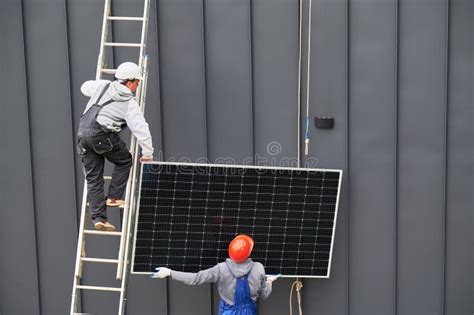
[94, 150]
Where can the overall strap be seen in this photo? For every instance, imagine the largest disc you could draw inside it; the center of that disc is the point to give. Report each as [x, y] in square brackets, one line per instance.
[102, 93]
[243, 303]
[106, 103]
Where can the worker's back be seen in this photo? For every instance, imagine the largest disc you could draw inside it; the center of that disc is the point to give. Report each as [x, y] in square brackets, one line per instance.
[230, 270]
[123, 110]
[111, 116]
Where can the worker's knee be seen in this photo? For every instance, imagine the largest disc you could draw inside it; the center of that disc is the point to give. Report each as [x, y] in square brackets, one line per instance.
[125, 160]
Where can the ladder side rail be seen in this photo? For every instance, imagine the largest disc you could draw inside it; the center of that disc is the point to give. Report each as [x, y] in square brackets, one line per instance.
[103, 38]
[132, 178]
[143, 64]
[135, 201]
[128, 193]
[126, 211]
[144, 34]
[80, 240]
[133, 205]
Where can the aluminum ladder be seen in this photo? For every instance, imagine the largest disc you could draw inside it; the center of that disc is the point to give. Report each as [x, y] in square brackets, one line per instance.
[125, 234]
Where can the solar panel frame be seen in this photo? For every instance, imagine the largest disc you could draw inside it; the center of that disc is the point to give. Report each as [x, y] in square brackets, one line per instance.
[244, 167]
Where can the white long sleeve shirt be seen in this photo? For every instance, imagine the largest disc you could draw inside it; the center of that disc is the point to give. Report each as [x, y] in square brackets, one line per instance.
[124, 110]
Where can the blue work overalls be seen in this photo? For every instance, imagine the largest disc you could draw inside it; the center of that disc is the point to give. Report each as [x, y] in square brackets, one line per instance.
[243, 303]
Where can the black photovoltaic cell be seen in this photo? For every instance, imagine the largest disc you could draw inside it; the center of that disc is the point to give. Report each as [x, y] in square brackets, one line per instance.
[188, 214]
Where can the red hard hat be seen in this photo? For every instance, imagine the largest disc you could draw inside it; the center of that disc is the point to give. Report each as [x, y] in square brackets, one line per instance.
[240, 248]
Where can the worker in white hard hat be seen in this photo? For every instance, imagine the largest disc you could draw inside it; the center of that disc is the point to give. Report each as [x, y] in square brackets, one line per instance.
[111, 107]
[240, 280]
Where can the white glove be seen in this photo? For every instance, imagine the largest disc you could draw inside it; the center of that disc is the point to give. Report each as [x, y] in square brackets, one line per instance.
[273, 277]
[161, 272]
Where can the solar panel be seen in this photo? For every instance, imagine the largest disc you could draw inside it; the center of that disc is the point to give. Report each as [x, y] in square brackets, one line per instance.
[188, 214]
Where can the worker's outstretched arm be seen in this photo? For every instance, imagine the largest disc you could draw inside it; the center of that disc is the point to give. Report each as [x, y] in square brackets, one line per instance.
[265, 289]
[190, 278]
[139, 127]
[266, 284]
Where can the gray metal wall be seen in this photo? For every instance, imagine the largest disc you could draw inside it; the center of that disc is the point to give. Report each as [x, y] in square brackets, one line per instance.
[397, 75]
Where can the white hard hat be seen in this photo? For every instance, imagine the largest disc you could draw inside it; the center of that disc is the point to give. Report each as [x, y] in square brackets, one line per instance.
[128, 71]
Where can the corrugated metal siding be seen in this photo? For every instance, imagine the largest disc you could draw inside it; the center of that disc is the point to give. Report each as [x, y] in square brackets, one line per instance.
[397, 76]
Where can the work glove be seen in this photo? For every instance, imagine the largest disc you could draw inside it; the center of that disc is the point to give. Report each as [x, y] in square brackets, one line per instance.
[161, 272]
[271, 278]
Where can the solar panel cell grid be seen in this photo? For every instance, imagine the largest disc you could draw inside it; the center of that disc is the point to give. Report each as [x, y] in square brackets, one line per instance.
[188, 214]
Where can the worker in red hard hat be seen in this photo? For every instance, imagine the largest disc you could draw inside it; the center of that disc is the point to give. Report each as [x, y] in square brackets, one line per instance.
[240, 281]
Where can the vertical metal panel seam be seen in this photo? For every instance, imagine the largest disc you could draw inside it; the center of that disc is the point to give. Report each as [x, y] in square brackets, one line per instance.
[158, 60]
[348, 87]
[168, 296]
[445, 171]
[206, 122]
[396, 104]
[303, 158]
[206, 107]
[77, 216]
[160, 88]
[27, 96]
[68, 50]
[160, 100]
[299, 12]
[206, 116]
[252, 90]
[212, 298]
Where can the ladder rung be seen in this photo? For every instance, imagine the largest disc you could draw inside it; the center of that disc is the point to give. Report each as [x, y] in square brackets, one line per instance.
[100, 260]
[102, 233]
[122, 44]
[125, 18]
[120, 207]
[108, 71]
[91, 287]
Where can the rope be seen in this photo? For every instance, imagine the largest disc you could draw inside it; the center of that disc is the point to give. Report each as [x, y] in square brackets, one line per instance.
[298, 286]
